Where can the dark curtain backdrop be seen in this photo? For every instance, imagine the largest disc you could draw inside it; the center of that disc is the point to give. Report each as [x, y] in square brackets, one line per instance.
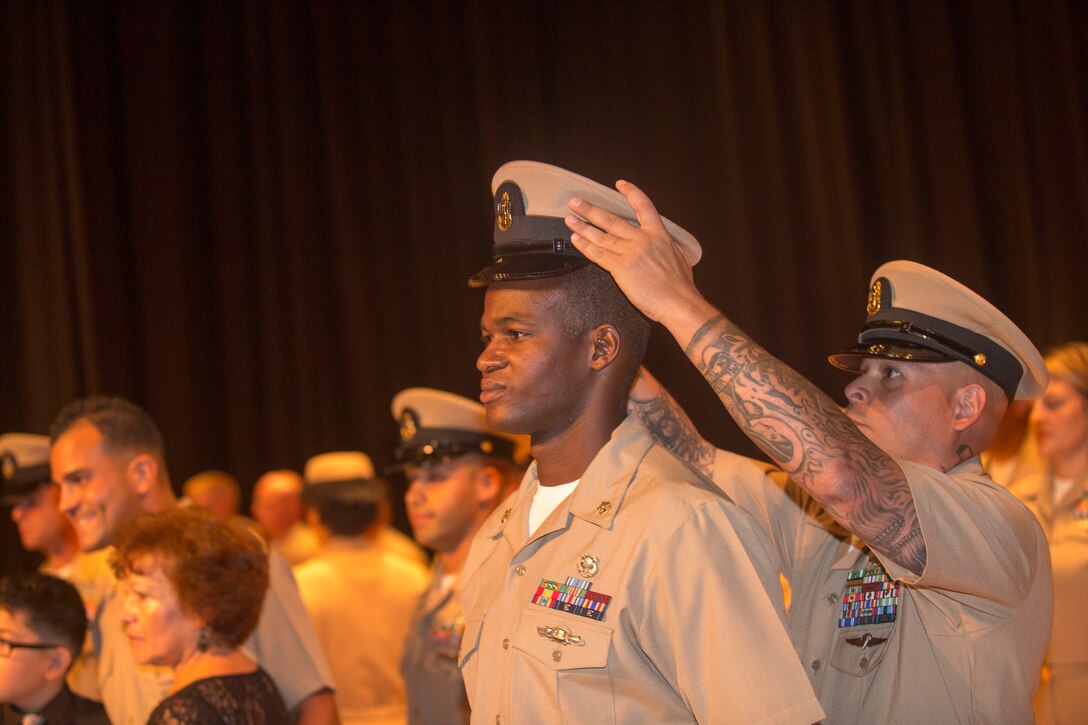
[256, 219]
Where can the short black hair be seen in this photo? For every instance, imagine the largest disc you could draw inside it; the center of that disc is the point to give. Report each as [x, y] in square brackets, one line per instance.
[52, 607]
[124, 425]
[347, 508]
[590, 297]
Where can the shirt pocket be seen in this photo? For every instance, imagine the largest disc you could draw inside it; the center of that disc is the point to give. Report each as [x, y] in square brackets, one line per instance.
[470, 645]
[859, 650]
[573, 642]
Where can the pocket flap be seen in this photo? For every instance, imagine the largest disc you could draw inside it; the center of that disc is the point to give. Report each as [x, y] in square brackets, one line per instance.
[470, 640]
[563, 641]
[859, 652]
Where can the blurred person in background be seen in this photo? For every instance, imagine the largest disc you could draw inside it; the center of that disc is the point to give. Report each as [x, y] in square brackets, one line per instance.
[458, 471]
[1012, 454]
[359, 594]
[277, 507]
[345, 465]
[216, 491]
[1057, 493]
[26, 485]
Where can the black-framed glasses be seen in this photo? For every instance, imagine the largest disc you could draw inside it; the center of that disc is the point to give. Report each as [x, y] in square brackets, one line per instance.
[6, 646]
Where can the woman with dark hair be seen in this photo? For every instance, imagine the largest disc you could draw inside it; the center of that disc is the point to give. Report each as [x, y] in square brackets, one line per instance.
[194, 590]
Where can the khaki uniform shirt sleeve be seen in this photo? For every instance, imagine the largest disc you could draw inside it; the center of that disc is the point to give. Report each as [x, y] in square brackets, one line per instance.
[784, 512]
[285, 643]
[718, 629]
[982, 546]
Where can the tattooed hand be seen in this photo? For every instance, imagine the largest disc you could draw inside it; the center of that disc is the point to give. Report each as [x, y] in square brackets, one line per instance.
[644, 260]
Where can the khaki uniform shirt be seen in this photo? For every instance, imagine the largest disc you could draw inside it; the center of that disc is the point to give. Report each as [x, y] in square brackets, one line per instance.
[436, 690]
[399, 544]
[90, 574]
[360, 599]
[1063, 698]
[298, 544]
[284, 644]
[965, 639]
[692, 630]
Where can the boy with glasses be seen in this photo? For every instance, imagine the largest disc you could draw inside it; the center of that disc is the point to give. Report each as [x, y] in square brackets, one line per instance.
[42, 625]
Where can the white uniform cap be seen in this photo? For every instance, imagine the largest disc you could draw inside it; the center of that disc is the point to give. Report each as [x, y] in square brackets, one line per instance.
[338, 466]
[436, 427]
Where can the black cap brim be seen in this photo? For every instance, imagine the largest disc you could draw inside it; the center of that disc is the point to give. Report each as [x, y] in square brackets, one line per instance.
[850, 359]
[22, 482]
[527, 266]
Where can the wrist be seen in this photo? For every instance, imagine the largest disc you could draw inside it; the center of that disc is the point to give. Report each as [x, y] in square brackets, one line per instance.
[688, 317]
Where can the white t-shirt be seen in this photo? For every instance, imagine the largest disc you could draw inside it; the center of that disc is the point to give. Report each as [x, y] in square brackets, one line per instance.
[546, 500]
[1061, 487]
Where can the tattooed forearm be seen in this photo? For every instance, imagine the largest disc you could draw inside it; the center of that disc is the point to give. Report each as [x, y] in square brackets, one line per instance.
[670, 426]
[702, 332]
[812, 440]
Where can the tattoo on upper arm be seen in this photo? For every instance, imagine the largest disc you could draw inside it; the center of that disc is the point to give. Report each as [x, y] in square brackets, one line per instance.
[803, 430]
[670, 426]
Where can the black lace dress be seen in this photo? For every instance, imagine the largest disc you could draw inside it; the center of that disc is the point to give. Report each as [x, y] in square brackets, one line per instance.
[250, 699]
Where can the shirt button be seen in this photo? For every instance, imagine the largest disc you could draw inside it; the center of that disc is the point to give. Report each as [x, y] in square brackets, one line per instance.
[557, 655]
[506, 643]
[832, 598]
[519, 570]
[815, 665]
[864, 662]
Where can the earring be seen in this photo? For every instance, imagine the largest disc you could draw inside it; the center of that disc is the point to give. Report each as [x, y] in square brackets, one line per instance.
[203, 643]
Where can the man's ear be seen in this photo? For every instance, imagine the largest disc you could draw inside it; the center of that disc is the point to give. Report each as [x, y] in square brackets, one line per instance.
[59, 661]
[606, 346]
[488, 486]
[967, 405]
[143, 473]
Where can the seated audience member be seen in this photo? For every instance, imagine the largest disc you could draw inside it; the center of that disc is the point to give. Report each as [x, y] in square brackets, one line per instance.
[277, 507]
[194, 589]
[1057, 493]
[359, 595]
[25, 484]
[214, 490]
[42, 627]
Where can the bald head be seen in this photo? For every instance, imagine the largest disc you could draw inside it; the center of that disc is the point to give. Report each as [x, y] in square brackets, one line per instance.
[277, 501]
[216, 491]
